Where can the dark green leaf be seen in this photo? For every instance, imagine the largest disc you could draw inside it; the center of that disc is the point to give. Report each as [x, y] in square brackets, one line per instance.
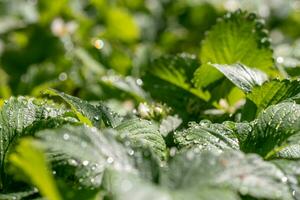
[271, 93]
[207, 136]
[143, 133]
[178, 70]
[271, 129]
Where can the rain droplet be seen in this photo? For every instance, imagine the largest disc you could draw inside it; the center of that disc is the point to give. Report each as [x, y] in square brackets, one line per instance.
[85, 162]
[284, 179]
[66, 136]
[130, 152]
[72, 162]
[139, 82]
[63, 76]
[279, 59]
[110, 160]
[98, 44]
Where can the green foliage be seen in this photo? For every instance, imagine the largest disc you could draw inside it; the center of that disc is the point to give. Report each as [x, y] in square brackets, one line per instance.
[238, 37]
[143, 133]
[272, 128]
[136, 112]
[242, 76]
[16, 115]
[32, 162]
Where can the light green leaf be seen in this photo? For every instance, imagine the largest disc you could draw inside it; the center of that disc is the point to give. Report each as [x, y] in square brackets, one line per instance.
[243, 77]
[207, 136]
[271, 129]
[143, 133]
[121, 25]
[245, 174]
[32, 162]
[237, 37]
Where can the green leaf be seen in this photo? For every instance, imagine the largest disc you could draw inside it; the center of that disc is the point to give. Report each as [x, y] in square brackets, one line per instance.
[237, 37]
[32, 162]
[290, 149]
[16, 115]
[272, 128]
[207, 136]
[292, 172]
[18, 195]
[121, 25]
[243, 77]
[143, 133]
[169, 124]
[88, 150]
[271, 93]
[123, 186]
[178, 70]
[245, 174]
[128, 84]
[86, 112]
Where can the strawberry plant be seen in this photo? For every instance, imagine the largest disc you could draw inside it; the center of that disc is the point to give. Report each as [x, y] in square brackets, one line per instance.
[220, 120]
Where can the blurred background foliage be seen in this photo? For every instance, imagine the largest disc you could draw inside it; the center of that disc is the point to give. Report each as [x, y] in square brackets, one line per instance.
[101, 49]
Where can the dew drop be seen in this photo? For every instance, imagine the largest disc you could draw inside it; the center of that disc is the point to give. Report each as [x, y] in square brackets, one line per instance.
[72, 162]
[66, 136]
[98, 44]
[63, 76]
[279, 59]
[85, 162]
[131, 152]
[110, 160]
[284, 179]
[139, 82]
